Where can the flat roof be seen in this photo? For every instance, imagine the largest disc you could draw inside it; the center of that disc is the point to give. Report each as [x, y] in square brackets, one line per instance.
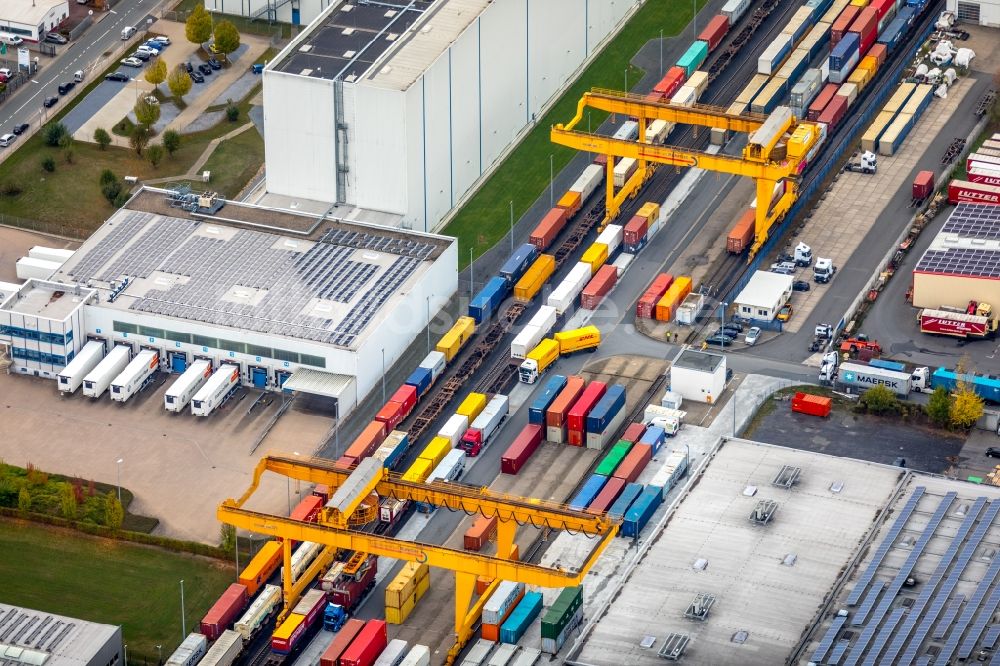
[318, 382]
[968, 244]
[691, 359]
[326, 286]
[764, 289]
[43, 298]
[28, 13]
[760, 601]
[36, 637]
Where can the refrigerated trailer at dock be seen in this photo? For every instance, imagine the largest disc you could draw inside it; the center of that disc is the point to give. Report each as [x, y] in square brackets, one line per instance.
[99, 379]
[186, 386]
[71, 377]
[135, 375]
[224, 381]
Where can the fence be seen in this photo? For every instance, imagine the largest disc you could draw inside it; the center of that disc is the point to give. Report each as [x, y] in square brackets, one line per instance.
[50, 228]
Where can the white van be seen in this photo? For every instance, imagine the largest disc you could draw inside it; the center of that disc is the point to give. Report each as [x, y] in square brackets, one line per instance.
[78, 75]
[12, 40]
[127, 32]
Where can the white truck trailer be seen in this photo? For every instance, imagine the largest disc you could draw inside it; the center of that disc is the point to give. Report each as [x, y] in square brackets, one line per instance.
[183, 389]
[134, 376]
[99, 379]
[55, 254]
[222, 382]
[71, 377]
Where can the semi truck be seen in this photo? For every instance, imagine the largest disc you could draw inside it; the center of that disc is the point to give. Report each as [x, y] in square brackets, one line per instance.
[856, 375]
[184, 388]
[957, 324]
[99, 379]
[537, 328]
[219, 386]
[135, 375]
[485, 425]
[986, 387]
[541, 358]
[71, 377]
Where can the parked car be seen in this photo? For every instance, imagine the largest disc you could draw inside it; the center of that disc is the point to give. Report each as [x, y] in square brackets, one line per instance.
[155, 45]
[66, 87]
[800, 285]
[7, 139]
[733, 327]
[49, 102]
[162, 39]
[132, 62]
[188, 67]
[993, 452]
[752, 336]
[118, 76]
[784, 267]
[785, 313]
[719, 340]
[20, 129]
[214, 63]
[204, 69]
[151, 50]
[196, 76]
[56, 38]
[142, 55]
[6, 74]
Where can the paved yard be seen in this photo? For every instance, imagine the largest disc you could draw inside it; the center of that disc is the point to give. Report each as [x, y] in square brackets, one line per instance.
[15, 243]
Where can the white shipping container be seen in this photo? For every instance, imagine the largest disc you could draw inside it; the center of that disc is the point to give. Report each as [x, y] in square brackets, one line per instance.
[770, 60]
[435, 362]
[545, 318]
[657, 131]
[734, 9]
[588, 181]
[304, 555]
[489, 419]
[848, 90]
[419, 655]
[215, 390]
[622, 262]
[70, 378]
[184, 387]
[987, 161]
[699, 81]
[190, 651]
[55, 254]
[598, 440]
[501, 601]
[525, 341]
[99, 379]
[563, 296]
[131, 379]
[393, 653]
[685, 96]
[451, 467]
[623, 170]
[479, 653]
[266, 602]
[39, 269]
[224, 651]
[454, 428]
[629, 131]
[612, 237]
[687, 312]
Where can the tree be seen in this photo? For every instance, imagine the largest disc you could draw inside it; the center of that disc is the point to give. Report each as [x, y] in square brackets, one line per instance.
[227, 534]
[53, 134]
[880, 400]
[48, 163]
[966, 409]
[24, 501]
[156, 73]
[67, 502]
[171, 141]
[114, 513]
[198, 27]
[939, 406]
[108, 176]
[102, 138]
[139, 138]
[146, 113]
[111, 190]
[179, 82]
[227, 37]
[155, 154]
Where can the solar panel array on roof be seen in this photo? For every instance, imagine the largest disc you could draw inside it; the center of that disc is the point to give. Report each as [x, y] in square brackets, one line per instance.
[124, 232]
[974, 221]
[961, 261]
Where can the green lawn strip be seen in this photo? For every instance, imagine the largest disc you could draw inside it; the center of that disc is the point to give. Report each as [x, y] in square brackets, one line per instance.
[524, 175]
[109, 581]
[233, 163]
[242, 23]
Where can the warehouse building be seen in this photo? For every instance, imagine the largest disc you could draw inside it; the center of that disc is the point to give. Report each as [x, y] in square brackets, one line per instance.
[31, 21]
[36, 638]
[404, 110]
[296, 12]
[271, 291]
[984, 12]
[962, 263]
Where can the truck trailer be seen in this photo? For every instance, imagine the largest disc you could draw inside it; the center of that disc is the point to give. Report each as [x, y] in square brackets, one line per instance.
[541, 358]
[99, 379]
[956, 324]
[135, 375]
[71, 377]
[866, 376]
[223, 381]
[184, 388]
[485, 425]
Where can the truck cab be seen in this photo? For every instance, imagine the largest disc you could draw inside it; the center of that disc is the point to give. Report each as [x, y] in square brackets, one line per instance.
[334, 617]
[824, 270]
[921, 380]
[472, 442]
[803, 255]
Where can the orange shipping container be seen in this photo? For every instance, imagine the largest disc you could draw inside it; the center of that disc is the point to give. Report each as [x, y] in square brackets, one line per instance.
[879, 51]
[741, 235]
[480, 533]
[571, 202]
[646, 307]
[366, 443]
[666, 307]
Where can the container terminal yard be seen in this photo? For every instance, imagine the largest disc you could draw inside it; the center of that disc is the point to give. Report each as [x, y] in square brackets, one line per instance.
[538, 459]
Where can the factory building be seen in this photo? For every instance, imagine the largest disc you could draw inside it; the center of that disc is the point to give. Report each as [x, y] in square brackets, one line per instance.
[962, 263]
[296, 12]
[30, 637]
[31, 21]
[268, 290]
[982, 12]
[396, 114]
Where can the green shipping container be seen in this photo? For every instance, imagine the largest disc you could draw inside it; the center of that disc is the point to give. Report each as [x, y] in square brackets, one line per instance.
[561, 612]
[614, 458]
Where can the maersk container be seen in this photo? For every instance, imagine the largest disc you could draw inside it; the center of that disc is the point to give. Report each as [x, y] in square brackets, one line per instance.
[538, 407]
[589, 491]
[484, 305]
[99, 379]
[71, 377]
[420, 379]
[641, 511]
[184, 388]
[804, 92]
[654, 437]
[624, 501]
[190, 651]
[734, 9]
[775, 53]
[517, 263]
[844, 57]
[693, 57]
[521, 617]
[222, 382]
[606, 409]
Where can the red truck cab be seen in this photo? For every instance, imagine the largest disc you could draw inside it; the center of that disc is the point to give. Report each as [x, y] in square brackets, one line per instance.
[472, 442]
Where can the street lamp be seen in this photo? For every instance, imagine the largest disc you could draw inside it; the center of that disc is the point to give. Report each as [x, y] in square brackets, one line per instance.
[722, 332]
[552, 179]
[183, 621]
[626, 78]
[512, 226]
[119, 471]
[661, 52]
[159, 649]
[126, 654]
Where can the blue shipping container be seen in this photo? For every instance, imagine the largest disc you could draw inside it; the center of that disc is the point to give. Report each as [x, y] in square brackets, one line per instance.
[486, 302]
[420, 379]
[518, 263]
[536, 412]
[521, 617]
[624, 501]
[986, 388]
[606, 409]
[893, 33]
[907, 14]
[769, 61]
[840, 75]
[819, 7]
[641, 511]
[843, 51]
[397, 453]
[693, 57]
[654, 437]
[634, 249]
[589, 491]
[888, 365]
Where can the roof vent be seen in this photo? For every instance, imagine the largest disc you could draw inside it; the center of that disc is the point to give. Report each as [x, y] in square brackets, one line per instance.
[951, 239]
[426, 29]
[750, 491]
[763, 512]
[700, 564]
[390, 13]
[385, 70]
[740, 637]
[700, 606]
[306, 72]
[647, 642]
[790, 559]
[349, 54]
[392, 36]
[836, 487]
[305, 48]
[347, 7]
[347, 31]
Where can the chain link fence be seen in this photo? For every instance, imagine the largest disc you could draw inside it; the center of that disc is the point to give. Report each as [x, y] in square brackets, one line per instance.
[50, 228]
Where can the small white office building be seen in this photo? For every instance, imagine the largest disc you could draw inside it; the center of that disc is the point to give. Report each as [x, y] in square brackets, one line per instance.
[763, 296]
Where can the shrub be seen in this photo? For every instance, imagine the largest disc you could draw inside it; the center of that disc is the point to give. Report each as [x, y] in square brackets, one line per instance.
[111, 190]
[966, 409]
[48, 163]
[154, 154]
[108, 176]
[171, 141]
[12, 188]
[53, 134]
[69, 155]
[24, 501]
[121, 200]
[102, 138]
[232, 112]
[939, 407]
[114, 513]
[880, 400]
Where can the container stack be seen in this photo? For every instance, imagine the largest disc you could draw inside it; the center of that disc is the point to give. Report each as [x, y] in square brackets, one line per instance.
[499, 607]
[480, 533]
[405, 590]
[561, 619]
[666, 307]
[576, 424]
[646, 307]
[521, 618]
[557, 412]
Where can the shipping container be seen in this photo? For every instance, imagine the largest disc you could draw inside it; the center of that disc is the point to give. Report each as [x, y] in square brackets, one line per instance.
[641, 511]
[521, 617]
[341, 641]
[633, 432]
[549, 228]
[369, 440]
[869, 140]
[899, 98]
[593, 175]
[844, 56]
[454, 428]
[770, 96]
[306, 510]
[500, 605]
[521, 450]
[675, 294]
[555, 415]
[518, 263]
[472, 406]
[885, 10]
[179, 395]
[816, 40]
[814, 405]
[393, 654]
[71, 377]
[634, 462]
[634, 234]
[595, 255]
[774, 54]
[657, 131]
[525, 341]
[613, 458]
[794, 67]
[698, 81]
[606, 409]
[263, 564]
[625, 499]
[804, 92]
[863, 73]
[564, 295]
[654, 438]
[366, 646]
[225, 651]
[421, 379]
[865, 26]
[844, 20]
[799, 23]
[734, 10]
[879, 53]
[607, 497]
[561, 619]
[435, 451]
[259, 612]
[28, 268]
[848, 90]
[481, 531]
[577, 415]
[832, 11]
[190, 651]
[392, 449]
[419, 655]
[919, 100]
[479, 653]
[586, 495]
[685, 96]
[716, 29]
[623, 171]
[895, 134]
[391, 414]
[599, 286]
[670, 83]
[962, 191]
[611, 237]
[484, 305]
[541, 403]
[693, 57]
[757, 83]
[451, 468]
[983, 175]
[923, 184]
[822, 100]
[834, 112]
[456, 337]
[534, 278]
[97, 381]
[973, 161]
[741, 235]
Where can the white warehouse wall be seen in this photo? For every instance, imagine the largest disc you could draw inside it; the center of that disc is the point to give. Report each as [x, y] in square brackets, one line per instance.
[989, 11]
[308, 9]
[380, 160]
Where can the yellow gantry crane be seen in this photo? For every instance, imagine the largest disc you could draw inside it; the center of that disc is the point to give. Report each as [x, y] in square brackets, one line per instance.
[776, 149]
[338, 528]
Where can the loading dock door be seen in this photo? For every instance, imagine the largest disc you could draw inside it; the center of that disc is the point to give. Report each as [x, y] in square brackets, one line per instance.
[258, 377]
[178, 362]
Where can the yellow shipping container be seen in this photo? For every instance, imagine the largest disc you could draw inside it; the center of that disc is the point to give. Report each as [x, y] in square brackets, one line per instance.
[417, 570]
[399, 615]
[649, 210]
[452, 341]
[588, 337]
[472, 405]
[899, 97]
[860, 77]
[834, 11]
[869, 140]
[399, 590]
[595, 255]
[423, 584]
[859, 3]
[534, 278]
[569, 201]
[436, 451]
[419, 471]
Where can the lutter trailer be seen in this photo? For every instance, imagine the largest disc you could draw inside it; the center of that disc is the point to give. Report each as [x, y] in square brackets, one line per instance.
[216, 390]
[71, 377]
[184, 388]
[99, 379]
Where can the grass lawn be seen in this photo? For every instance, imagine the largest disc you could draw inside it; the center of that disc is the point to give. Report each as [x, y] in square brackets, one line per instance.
[524, 175]
[234, 162]
[243, 24]
[109, 581]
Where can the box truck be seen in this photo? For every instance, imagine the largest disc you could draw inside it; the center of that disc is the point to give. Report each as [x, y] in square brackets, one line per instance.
[99, 379]
[539, 359]
[183, 389]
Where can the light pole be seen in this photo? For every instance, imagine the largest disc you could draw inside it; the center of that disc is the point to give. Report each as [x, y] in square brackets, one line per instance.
[428, 324]
[126, 654]
[722, 333]
[118, 463]
[552, 180]
[626, 78]
[661, 51]
[383, 375]
[183, 620]
[336, 434]
[512, 226]
[694, 17]
[472, 282]
[159, 649]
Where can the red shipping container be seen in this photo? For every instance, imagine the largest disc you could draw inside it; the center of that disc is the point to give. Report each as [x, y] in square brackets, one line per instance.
[341, 642]
[866, 27]
[635, 230]
[367, 645]
[814, 405]
[716, 29]
[481, 531]
[577, 416]
[549, 228]
[879, 52]
[882, 7]
[603, 282]
[609, 493]
[391, 414]
[834, 111]
[307, 510]
[346, 462]
[634, 432]
[575, 437]
[369, 440]
[602, 160]
[923, 185]
[406, 395]
[654, 97]
[842, 23]
[523, 447]
[983, 176]
[646, 307]
[741, 235]
[671, 81]
[960, 191]
[225, 611]
[822, 100]
[555, 415]
[634, 462]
